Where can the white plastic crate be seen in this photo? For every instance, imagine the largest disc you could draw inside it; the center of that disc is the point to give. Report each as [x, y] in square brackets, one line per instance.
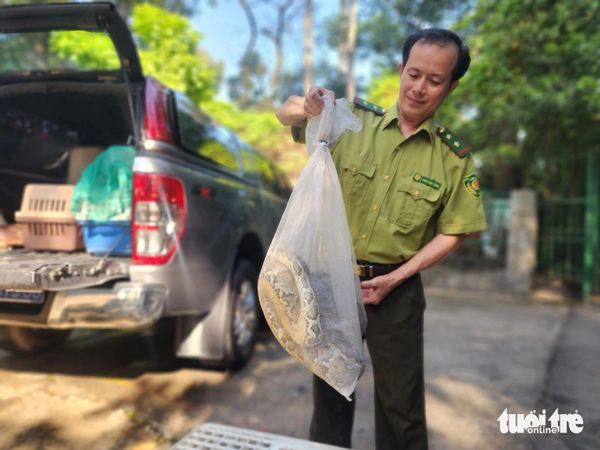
[47, 218]
[212, 436]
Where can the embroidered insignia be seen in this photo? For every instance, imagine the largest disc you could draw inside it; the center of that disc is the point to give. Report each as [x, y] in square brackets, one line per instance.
[460, 148]
[361, 103]
[427, 181]
[472, 185]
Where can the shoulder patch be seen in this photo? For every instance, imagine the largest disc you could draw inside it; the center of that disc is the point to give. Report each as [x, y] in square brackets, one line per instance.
[363, 104]
[451, 140]
[472, 185]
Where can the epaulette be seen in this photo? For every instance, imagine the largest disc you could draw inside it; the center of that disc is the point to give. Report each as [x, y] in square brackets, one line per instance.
[361, 103]
[456, 145]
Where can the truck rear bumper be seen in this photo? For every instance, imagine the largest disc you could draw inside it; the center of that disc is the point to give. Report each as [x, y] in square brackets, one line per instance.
[127, 305]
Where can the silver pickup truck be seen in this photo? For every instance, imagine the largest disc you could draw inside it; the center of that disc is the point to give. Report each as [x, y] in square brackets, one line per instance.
[205, 205]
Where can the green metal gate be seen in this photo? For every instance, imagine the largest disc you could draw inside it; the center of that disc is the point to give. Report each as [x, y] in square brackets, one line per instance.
[568, 244]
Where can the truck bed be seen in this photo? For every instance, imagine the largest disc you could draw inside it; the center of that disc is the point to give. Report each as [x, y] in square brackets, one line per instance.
[22, 269]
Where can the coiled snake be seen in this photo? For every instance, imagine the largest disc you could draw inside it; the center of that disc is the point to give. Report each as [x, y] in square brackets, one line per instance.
[299, 309]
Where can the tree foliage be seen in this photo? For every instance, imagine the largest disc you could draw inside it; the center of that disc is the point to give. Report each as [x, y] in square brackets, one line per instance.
[84, 49]
[384, 89]
[530, 104]
[257, 83]
[262, 130]
[534, 85]
[386, 24]
[161, 37]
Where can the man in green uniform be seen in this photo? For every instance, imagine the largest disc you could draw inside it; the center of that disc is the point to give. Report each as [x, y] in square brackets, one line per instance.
[411, 195]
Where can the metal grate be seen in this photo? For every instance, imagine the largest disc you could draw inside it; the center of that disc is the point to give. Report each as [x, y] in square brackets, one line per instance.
[212, 436]
[569, 236]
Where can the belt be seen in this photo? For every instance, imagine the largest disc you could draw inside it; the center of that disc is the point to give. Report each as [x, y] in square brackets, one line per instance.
[368, 270]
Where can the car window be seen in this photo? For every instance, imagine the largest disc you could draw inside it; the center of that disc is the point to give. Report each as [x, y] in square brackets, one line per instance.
[251, 164]
[57, 50]
[219, 149]
[201, 138]
[259, 168]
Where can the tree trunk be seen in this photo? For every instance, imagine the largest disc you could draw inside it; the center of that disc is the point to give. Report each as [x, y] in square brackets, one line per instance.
[246, 88]
[343, 43]
[307, 81]
[277, 39]
[350, 49]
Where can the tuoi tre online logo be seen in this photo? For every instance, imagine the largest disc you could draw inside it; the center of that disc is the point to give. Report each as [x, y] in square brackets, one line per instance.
[533, 423]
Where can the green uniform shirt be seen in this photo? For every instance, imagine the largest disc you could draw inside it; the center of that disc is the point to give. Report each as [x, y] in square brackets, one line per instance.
[400, 192]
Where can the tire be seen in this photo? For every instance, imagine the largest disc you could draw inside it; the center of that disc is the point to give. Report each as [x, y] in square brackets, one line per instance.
[242, 318]
[24, 340]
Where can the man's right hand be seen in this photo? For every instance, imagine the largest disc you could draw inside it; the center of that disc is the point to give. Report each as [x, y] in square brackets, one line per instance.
[295, 110]
[313, 102]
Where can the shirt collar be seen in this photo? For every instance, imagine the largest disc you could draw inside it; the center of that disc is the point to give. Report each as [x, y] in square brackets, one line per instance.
[391, 117]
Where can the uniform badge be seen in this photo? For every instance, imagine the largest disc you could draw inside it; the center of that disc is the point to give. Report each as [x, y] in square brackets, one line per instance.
[472, 185]
[427, 181]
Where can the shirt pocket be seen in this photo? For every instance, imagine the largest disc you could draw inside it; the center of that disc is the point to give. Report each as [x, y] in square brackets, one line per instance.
[356, 175]
[415, 206]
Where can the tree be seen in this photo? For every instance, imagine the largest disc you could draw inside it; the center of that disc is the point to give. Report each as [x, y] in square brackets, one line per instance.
[351, 47]
[342, 31]
[250, 88]
[347, 45]
[307, 80]
[181, 7]
[160, 37]
[534, 86]
[277, 38]
[389, 22]
[384, 89]
[250, 60]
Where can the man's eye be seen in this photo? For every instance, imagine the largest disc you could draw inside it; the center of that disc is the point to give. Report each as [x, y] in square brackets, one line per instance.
[435, 82]
[413, 76]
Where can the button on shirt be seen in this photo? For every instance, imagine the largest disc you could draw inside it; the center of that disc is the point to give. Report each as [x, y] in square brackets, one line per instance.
[399, 192]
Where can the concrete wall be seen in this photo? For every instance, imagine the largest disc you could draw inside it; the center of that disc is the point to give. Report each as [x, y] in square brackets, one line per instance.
[522, 240]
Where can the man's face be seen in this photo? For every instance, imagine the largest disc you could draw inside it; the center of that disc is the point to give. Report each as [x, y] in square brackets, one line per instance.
[425, 80]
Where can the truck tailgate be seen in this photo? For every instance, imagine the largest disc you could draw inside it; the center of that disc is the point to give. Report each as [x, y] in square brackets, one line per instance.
[56, 271]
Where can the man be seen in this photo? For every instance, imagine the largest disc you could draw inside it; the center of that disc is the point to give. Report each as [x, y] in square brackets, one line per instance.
[411, 195]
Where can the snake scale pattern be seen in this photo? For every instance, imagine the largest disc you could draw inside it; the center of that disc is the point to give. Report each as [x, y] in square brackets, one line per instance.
[299, 309]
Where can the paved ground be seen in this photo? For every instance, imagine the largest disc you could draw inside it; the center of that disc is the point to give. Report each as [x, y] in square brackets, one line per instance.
[484, 352]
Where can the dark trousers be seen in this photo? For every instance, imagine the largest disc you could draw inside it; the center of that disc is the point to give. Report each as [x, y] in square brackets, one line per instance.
[395, 340]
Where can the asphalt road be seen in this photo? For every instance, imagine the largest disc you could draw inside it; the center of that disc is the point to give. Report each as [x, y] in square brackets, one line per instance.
[108, 390]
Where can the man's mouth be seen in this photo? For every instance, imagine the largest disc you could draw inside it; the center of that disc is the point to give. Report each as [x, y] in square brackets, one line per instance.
[415, 101]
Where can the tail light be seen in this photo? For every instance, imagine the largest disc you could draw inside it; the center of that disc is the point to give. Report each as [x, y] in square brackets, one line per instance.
[157, 116]
[158, 222]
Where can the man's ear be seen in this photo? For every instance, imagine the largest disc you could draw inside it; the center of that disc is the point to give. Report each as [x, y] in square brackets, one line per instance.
[400, 68]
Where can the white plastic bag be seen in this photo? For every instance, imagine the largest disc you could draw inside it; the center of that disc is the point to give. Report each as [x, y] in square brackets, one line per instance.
[307, 287]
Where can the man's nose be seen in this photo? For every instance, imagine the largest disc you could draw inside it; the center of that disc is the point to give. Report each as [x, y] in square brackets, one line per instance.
[419, 87]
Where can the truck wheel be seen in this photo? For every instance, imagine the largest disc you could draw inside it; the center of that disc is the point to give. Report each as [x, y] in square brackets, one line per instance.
[23, 340]
[242, 315]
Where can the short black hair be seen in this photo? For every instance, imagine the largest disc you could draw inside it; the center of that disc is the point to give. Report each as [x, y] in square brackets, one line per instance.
[440, 36]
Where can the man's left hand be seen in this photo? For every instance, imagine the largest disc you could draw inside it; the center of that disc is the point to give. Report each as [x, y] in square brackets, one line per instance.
[376, 289]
